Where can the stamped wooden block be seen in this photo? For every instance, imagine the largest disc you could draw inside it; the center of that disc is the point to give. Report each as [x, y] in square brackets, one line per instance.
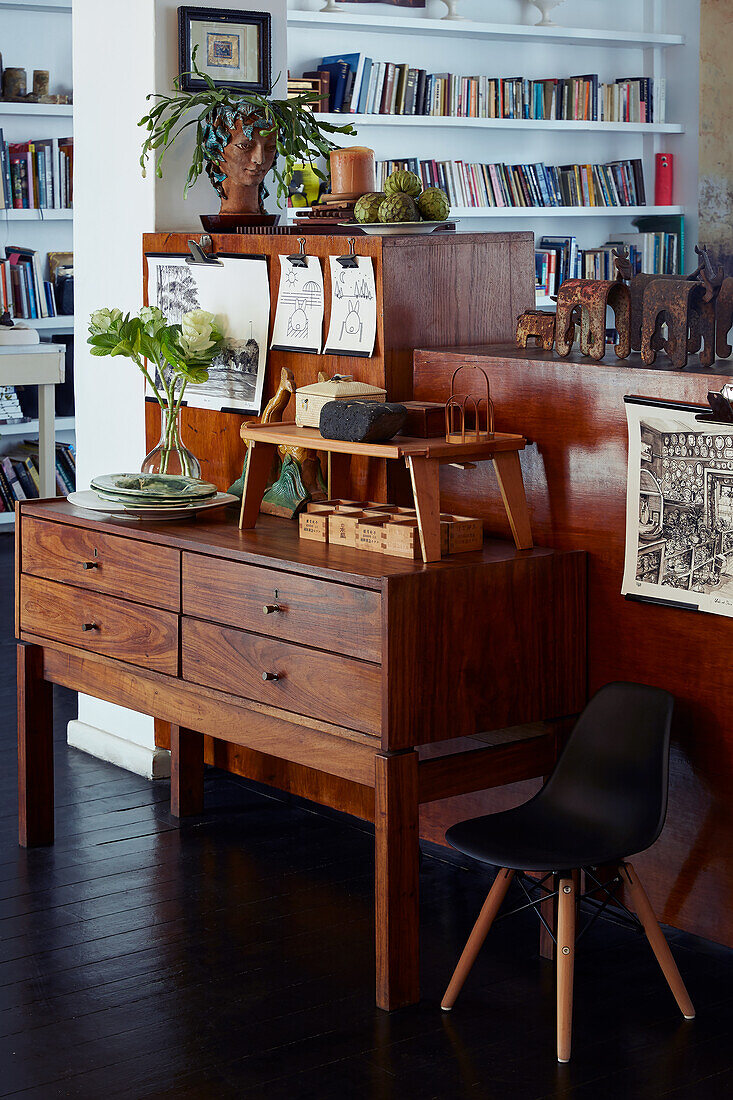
[342, 526]
[371, 533]
[314, 525]
[464, 534]
[402, 538]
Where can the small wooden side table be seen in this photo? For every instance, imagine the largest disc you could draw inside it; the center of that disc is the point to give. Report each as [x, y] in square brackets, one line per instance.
[423, 458]
[39, 365]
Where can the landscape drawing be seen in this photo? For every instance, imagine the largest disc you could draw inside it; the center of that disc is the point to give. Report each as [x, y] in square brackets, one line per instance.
[237, 292]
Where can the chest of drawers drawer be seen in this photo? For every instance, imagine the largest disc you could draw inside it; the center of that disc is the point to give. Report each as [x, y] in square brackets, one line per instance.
[336, 617]
[324, 686]
[98, 562]
[144, 636]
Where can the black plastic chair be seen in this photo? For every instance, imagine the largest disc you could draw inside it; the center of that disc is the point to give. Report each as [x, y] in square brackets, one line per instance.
[605, 799]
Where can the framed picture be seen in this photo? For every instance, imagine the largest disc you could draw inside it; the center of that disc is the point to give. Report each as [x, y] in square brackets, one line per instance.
[234, 48]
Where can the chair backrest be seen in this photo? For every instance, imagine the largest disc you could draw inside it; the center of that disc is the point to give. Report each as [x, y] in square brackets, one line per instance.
[614, 770]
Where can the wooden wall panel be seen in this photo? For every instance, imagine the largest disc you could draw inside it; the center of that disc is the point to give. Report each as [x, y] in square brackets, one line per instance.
[425, 298]
[575, 473]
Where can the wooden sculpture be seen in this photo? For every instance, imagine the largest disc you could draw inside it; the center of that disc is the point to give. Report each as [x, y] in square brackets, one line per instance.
[295, 477]
[591, 298]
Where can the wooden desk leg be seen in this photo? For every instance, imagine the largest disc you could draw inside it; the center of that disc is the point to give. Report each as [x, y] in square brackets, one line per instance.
[425, 477]
[396, 874]
[187, 772]
[259, 465]
[35, 749]
[509, 475]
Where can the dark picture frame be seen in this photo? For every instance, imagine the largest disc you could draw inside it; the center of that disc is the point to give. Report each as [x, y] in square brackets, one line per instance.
[224, 48]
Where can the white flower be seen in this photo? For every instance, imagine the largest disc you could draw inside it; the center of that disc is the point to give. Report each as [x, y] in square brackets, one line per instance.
[153, 319]
[198, 332]
[102, 320]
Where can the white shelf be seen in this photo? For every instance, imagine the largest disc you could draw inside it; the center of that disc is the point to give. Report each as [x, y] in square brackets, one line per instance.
[47, 110]
[30, 427]
[544, 301]
[7, 519]
[36, 5]
[53, 324]
[35, 215]
[565, 126]
[458, 212]
[465, 29]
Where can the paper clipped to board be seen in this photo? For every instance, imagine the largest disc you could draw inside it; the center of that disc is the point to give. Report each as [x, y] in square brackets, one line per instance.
[353, 326]
[299, 312]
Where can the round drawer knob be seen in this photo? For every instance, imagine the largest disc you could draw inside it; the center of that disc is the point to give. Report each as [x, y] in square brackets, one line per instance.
[89, 626]
[271, 608]
[88, 565]
[270, 676]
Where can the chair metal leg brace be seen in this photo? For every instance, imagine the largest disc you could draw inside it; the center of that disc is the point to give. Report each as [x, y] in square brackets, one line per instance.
[491, 906]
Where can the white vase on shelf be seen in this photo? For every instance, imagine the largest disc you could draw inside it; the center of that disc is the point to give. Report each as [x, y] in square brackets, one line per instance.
[331, 6]
[452, 13]
[545, 7]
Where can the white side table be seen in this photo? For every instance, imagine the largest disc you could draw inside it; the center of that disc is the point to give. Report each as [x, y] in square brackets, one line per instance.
[39, 365]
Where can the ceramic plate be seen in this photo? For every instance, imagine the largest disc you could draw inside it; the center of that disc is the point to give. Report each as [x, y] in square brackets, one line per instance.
[155, 486]
[92, 503]
[146, 503]
[394, 229]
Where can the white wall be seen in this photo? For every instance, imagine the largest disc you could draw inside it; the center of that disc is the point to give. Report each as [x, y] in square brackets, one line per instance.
[123, 49]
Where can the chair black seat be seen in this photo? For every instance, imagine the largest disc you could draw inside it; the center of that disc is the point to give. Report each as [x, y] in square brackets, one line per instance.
[534, 838]
[605, 800]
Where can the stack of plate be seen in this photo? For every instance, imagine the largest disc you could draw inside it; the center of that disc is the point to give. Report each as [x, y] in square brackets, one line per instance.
[152, 496]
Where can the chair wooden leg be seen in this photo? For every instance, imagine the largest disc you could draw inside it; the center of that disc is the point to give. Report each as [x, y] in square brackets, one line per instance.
[658, 943]
[565, 965]
[480, 930]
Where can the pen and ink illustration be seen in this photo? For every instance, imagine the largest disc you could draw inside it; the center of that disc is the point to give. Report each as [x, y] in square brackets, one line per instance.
[299, 313]
[237, 291]
[679, 509]
[353, 326]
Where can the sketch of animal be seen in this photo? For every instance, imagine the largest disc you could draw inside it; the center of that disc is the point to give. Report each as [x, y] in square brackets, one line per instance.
[298, 322]
[352, 323]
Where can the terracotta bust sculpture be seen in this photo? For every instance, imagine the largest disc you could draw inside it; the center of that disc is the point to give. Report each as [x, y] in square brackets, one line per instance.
[243, 153]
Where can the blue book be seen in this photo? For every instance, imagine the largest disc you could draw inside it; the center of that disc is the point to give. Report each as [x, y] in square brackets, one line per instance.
[351, 59]
[338, 72]
[364, 90]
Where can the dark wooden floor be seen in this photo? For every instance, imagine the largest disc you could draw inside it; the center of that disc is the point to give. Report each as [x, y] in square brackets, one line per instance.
[232, 957]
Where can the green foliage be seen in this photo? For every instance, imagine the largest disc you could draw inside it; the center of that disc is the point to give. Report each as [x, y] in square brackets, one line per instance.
[300, 134]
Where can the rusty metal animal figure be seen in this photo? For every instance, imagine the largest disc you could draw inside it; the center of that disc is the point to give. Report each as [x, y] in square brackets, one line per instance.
[539, 324]
[673, 303]
[591, 298]
[724, 318]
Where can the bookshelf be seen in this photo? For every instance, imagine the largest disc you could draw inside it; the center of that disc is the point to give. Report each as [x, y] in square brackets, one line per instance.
[37, 34]
[648, 38]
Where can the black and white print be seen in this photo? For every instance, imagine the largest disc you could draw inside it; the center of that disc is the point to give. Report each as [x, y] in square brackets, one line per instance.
[679, 509]
[299, 313]
[237, 292]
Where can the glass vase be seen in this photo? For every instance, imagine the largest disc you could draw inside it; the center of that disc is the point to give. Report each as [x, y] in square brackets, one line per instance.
[170, 456]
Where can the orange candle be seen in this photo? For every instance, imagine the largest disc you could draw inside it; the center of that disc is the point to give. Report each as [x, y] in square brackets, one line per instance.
[353, 172]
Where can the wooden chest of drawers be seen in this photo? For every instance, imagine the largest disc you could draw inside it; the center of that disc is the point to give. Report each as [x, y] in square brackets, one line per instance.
[352, 679]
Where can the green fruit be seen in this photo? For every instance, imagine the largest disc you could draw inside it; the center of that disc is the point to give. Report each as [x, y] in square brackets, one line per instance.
[433, 205]
[403, 183]
[398, 208]
[367, 207]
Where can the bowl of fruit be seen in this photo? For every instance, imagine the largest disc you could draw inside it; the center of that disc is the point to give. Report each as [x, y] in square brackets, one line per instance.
[403, 207]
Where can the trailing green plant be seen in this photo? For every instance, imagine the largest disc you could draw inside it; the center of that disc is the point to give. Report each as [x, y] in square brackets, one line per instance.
[300, 135]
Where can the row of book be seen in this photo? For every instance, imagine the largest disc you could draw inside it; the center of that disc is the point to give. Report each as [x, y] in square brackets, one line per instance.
[23, 290]
[619, 183]
[559, 258]
[359, 85]
[37, 174]
[20, 478]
